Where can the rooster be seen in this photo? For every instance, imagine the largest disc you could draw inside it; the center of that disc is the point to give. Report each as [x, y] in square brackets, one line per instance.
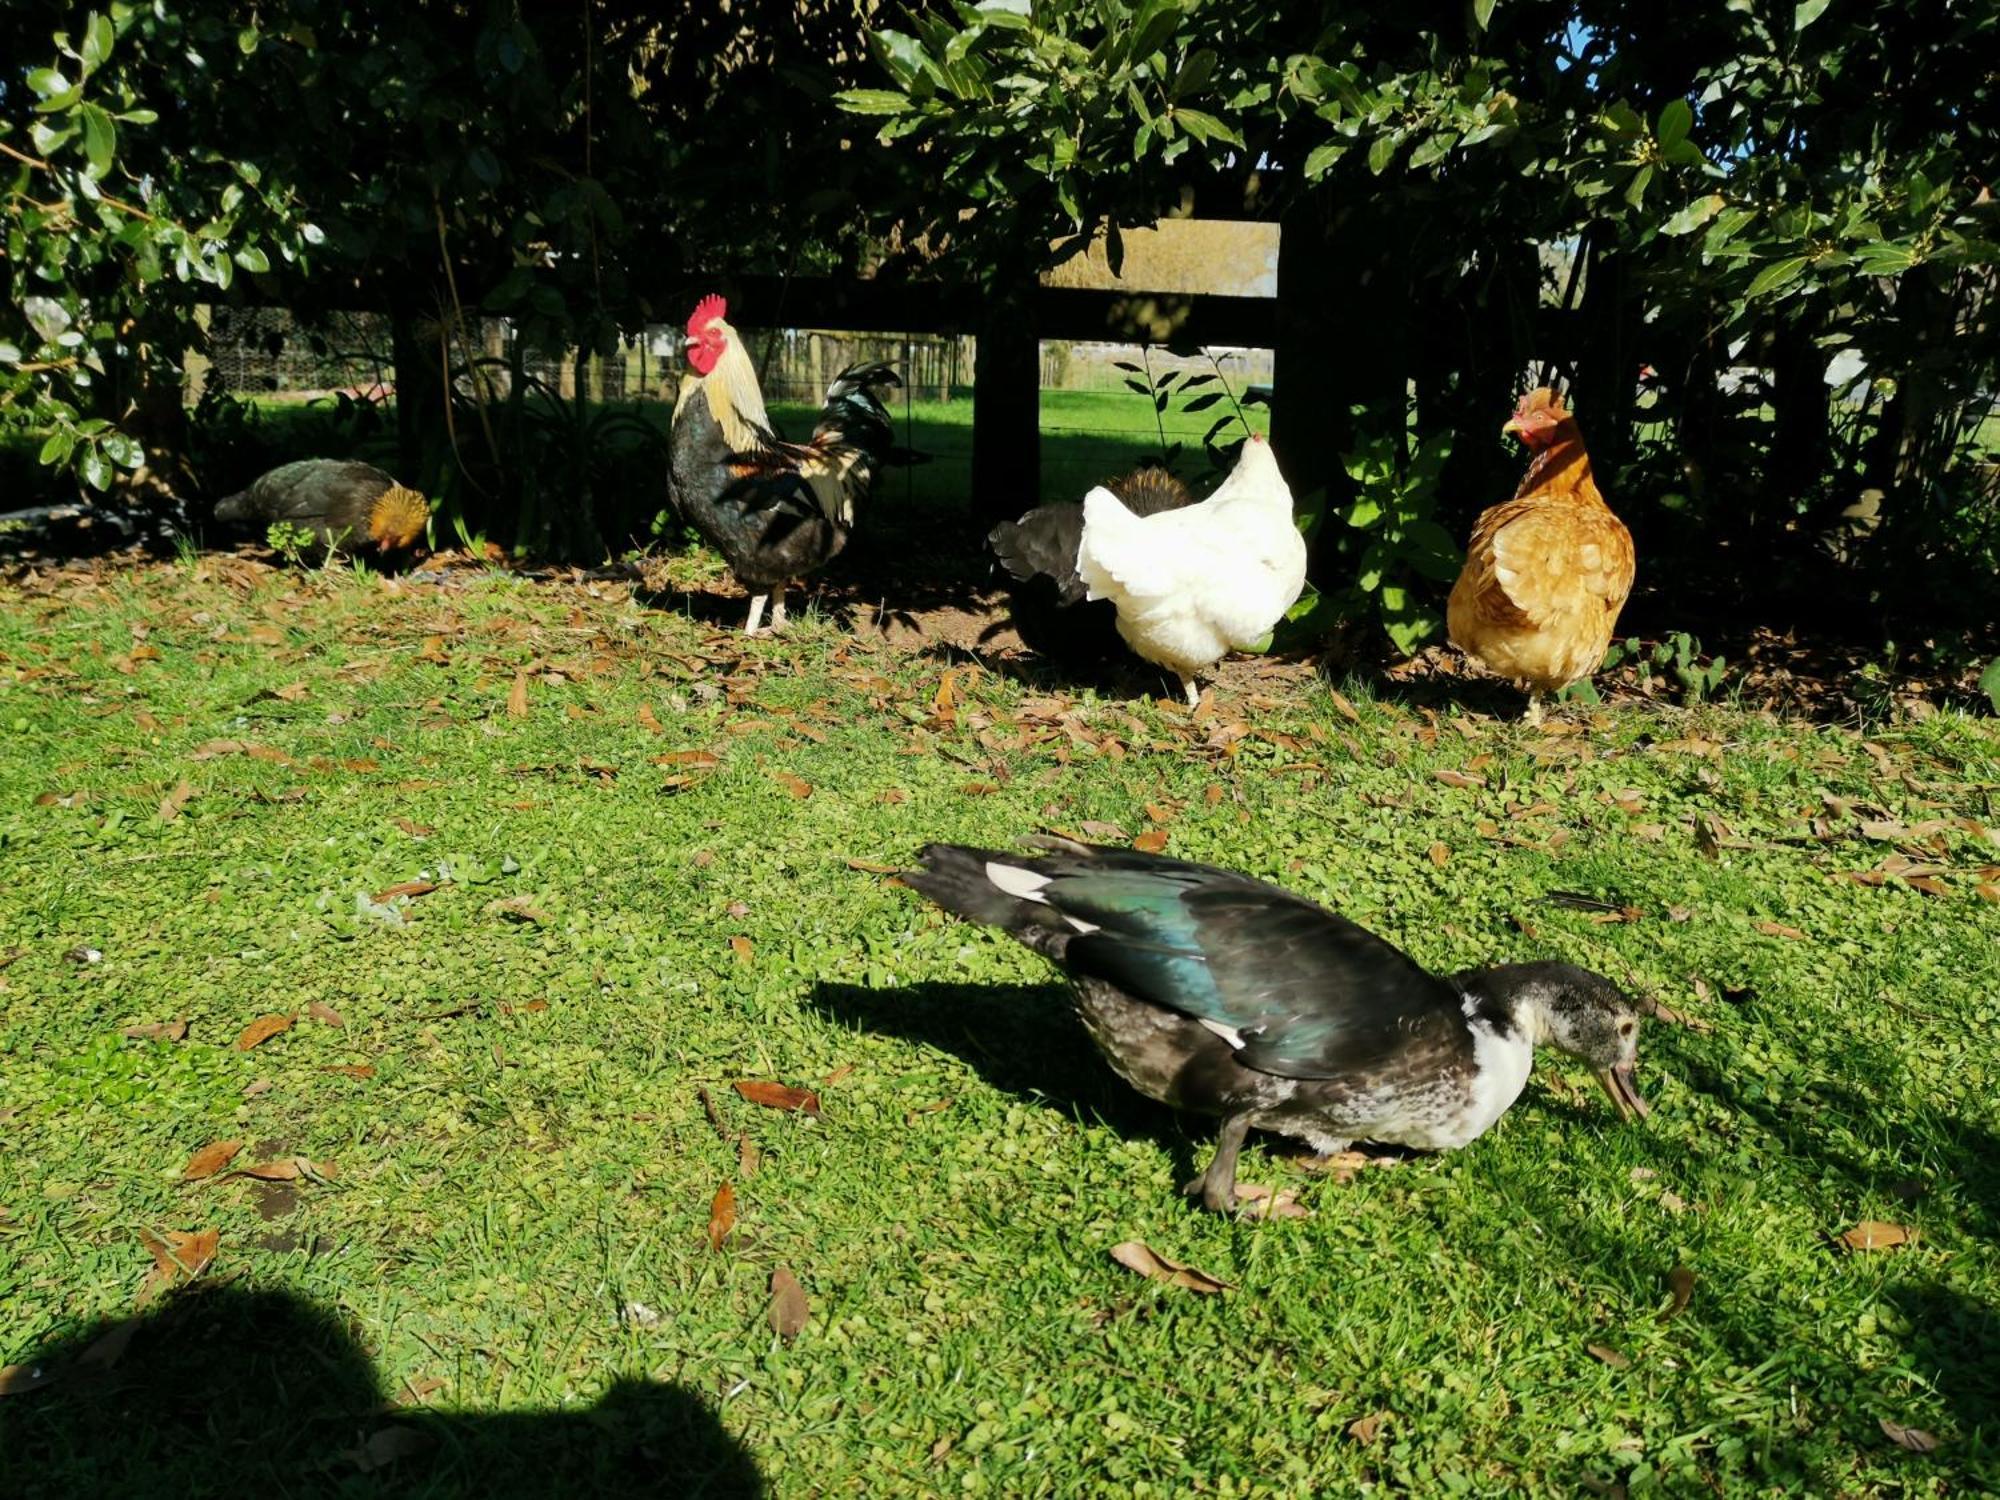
[342, 502]
[1548, 571]
[1191, 585]
[774, 510]
[1038, 553]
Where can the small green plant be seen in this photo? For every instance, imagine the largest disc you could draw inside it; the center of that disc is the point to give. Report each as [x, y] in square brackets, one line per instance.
[1678, 656]
[290, 541]
[1989, 683]
[1163, 389]
[1401, 547]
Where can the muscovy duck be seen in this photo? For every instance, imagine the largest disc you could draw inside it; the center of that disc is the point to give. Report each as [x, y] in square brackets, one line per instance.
[1045, 591]
[342, 502]
[1221, 994]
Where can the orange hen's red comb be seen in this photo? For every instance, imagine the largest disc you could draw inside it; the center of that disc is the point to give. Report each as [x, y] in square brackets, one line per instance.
[706, 311]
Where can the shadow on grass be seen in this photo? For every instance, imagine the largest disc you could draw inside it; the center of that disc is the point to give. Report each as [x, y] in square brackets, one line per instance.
[227, 1391]
[1025, 1040]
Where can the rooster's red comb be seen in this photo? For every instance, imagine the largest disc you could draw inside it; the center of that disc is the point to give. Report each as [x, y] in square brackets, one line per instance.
[706, 311]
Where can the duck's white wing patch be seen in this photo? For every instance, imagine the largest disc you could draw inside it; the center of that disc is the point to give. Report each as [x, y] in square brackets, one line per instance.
[1016, 881]
[1228, 1033]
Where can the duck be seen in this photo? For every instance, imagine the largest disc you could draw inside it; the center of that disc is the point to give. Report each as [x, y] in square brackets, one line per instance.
[1217, 993]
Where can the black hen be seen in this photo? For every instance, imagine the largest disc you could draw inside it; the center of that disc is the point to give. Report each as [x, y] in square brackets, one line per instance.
[1217, 993]
[1045, 595]
[342, 502]
[776, 511]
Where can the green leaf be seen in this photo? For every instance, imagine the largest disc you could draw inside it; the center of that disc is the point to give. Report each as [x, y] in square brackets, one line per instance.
[1777, 274]
[1482, 13]
[252, 259]
[1635, 190]
[1808, 11]
[47, 82]
[1194, 73]
[57, 449]
[140, 117]
[1364, 513]
[1989, 684]
[484, 165]
[1694, 215]
[1321, 157]
[1380, 152]
[95, 469]
[100, 138]
[98, 38]
[1676, 120]
[872, 101]
[1205, 127]
[1433, 148]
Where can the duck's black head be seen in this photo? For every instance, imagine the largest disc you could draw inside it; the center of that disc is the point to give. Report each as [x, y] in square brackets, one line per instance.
[1583, 1013]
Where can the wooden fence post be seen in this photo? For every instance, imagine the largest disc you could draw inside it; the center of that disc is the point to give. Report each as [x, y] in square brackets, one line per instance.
[1006, 407]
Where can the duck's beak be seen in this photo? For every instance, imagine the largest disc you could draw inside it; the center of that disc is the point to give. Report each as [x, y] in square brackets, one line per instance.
[1623, 1088]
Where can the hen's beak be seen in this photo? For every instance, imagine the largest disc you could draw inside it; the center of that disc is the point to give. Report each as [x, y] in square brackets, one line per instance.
[1623, 1088]
[1514, 428]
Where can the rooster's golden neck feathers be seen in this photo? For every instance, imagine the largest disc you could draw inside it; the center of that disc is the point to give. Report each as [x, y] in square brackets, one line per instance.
[734, 398]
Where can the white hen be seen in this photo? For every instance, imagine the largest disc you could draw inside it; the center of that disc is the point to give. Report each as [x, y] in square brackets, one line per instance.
[1191, 585]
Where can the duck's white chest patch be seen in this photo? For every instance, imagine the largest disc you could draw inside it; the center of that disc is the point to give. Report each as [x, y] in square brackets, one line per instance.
[1501, 1064]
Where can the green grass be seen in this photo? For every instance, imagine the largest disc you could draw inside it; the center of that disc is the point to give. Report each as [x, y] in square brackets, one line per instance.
[512, 1184]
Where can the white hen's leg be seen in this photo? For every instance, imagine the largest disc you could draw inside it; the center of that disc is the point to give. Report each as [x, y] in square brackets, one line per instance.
[777, 609]
[1534, 714]
[756, 614]
[1192, 689]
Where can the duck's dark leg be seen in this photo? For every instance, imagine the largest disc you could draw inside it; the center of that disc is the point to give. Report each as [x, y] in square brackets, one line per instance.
[1217, 1186]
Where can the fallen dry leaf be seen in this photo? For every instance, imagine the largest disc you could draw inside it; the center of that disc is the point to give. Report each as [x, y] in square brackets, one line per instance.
[1135, 1255]
[721, 1216]
[176, 1255]
[1874, 1234]
[778, 1096]
[1440, 854]
[1610, 1356]
[518, 909]
[1913, 1438]
[288, 1169]
[1779, 929]
[517, 696]
[1364, 1429]
[869, 866]
[386, 1446]
[262, 1030]
[747, 1159]
[1680, 1289]
[650, 721]
[157, 1031]
[174, 801]
[743, 948]
[1152, 841]
[789, 1308]
[410, 888]
[210, 1159]
[1265, 1204]
[414, 829]
[326, 1015]
[1342, 706]
[700, 758]
[351, 1070]
[1459, 779]
[798, 786]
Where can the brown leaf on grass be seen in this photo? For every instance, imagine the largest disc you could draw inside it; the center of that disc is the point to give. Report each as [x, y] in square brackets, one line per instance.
[288, 1169]
[789, 1308]
[1986, 890]
[747, 1158]
[946, 697]
[1680, 1290]
[870, 867]
[263, 1029]
[894, 795]
[1212, 794]
[778, 1096]
[1673, 1017]
[410, 888]
[1779, 929]
[414, 829]
[174, 801]
[650, 721]
[175, 1256]
[210, 1159]
[1135, 1255]
[517, 696]
[798, 786]
[1364, 1429]
[257, 1086]
[1875, 1234]
[743, 948]
[326, 1015]
[1913, 1438]
[843, 1071]
[1342, 707]
[704, 759]
[1265, 1204]
[518, 909]
[351, 1070]
[1152, 841]
[157, 1031]
[1440, 854]
[1459, 779]
[1610, 1356]
[721, 1216]
[385, 1447]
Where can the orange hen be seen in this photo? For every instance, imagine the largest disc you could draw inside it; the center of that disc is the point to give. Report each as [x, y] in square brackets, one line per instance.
[1548, 571]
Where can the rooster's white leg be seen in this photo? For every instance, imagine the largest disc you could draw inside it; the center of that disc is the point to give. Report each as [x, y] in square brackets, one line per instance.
[756, 614]
[777, 609]
[1192, 689]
